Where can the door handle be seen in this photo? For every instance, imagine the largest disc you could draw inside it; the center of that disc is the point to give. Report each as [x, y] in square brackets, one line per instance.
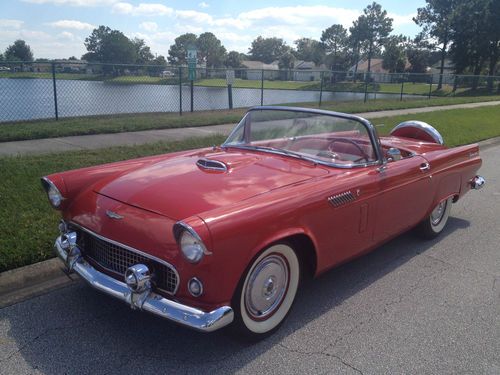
[425, 167]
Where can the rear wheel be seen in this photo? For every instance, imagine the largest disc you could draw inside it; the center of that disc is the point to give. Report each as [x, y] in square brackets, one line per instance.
[267, 291]
[434, 224]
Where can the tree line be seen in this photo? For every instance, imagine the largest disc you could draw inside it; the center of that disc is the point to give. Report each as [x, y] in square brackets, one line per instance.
[465, 31]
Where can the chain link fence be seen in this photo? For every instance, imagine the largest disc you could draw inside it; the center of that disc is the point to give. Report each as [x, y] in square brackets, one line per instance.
[31, 91]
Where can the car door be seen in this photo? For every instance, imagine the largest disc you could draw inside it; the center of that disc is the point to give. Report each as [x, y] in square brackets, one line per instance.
[405, 196]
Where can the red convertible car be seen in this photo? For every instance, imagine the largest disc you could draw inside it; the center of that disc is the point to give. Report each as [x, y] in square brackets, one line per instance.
[223, 235]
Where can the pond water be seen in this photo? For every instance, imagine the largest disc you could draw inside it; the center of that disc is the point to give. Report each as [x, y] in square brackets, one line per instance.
[29, 99]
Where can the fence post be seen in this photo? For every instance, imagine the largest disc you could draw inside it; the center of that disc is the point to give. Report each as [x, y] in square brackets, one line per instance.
[262, 88]
[230, 95]
[366, 87]
[55, 90]
[321, 89]
[402, 88]
[192, 96]
[180, 90]
[430, 85]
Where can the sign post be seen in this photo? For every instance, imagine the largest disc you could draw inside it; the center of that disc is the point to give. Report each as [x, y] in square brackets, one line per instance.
[192, 60]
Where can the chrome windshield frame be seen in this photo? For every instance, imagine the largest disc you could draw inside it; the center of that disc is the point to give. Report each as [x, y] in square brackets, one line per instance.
[372, 133]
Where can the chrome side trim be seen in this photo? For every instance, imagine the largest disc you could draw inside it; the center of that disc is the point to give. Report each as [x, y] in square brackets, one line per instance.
[423, 126]
[126, 247]
[211, 165]
[154, 303]
[341, 199]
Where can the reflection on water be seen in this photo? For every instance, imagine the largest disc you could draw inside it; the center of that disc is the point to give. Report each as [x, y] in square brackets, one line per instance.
[28, 99]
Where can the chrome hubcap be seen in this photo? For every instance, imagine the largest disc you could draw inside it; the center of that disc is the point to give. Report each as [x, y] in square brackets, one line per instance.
[266, 287]
[438, 213]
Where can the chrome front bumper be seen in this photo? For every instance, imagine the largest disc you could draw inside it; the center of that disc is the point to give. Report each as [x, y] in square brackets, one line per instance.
[147, 300]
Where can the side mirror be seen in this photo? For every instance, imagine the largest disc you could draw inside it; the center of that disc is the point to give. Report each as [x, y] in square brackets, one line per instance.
[393, 154]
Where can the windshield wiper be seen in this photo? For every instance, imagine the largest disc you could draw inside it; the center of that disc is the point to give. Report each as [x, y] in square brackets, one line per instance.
[278, 151]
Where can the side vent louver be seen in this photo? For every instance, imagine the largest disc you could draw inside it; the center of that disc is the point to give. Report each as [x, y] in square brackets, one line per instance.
[341, 199]
[211, 165]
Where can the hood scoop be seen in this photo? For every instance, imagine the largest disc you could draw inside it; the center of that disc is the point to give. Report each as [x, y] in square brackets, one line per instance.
[211, 165]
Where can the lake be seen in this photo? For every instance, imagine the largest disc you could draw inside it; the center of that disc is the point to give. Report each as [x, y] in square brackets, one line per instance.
[29, 99]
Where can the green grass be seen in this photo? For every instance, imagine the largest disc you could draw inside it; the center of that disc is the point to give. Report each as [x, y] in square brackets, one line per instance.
[48, 75]
[28, 224]
[254, 84]
[135, 122]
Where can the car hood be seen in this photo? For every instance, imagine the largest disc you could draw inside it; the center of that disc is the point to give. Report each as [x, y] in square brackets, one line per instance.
[178, 187]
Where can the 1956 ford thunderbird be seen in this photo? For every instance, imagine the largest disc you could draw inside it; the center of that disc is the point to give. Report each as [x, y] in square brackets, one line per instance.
[223, 235]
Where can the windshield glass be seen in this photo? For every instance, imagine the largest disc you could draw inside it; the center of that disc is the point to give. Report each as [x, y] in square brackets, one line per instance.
[321, 137]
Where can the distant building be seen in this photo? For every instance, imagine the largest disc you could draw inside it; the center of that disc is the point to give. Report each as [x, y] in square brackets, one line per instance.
[448, 71]
[377, 72]
[307, 71]
[254, 69]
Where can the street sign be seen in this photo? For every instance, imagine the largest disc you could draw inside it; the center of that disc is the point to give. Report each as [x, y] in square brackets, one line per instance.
[229, 77]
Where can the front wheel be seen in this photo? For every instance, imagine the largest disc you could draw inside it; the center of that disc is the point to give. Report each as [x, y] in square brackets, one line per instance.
[434, 224]
[268, 290]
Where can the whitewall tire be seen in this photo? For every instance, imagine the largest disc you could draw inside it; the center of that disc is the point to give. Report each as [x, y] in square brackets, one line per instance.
[434, 224]
[267, 291]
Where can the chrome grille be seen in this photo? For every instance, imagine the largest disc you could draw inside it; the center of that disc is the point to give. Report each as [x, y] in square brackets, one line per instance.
[117, 259]
[341, 199]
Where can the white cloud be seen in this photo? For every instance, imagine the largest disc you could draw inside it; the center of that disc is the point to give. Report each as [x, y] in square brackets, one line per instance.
[143, 9]
[10, 24]
[195, 16]
[149, 26]
[400, 20]
[77, 3]
[203, 5]
[72, 24]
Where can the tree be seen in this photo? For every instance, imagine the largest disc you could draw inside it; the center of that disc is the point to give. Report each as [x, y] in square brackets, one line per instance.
[267, 50]
[19, 51]
[335, 41]
[142, 51]
[394, 56]
[233, 60]
[109, 46]
[309, 50]
[210, 50]
[373, 26]
[72, 58]
[178, 51]
[286, 62]
[418, 56]
[475, 36]
[436, 18]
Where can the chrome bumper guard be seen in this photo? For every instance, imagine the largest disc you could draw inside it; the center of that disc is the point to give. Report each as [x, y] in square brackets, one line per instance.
[144, 299]
[477, 182]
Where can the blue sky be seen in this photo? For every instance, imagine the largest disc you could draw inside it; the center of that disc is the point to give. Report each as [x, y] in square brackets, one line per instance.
[57, 28]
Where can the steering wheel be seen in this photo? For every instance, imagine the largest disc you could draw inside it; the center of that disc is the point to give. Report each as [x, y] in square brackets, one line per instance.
[364, 155]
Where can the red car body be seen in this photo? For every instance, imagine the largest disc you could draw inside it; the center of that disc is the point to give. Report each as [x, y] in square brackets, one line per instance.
[335, 214]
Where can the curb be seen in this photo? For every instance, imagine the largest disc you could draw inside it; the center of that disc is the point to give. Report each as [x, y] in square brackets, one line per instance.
[36, 279]
[29, 281]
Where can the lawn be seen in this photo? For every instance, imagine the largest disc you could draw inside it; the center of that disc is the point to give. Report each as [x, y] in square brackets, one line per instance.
[255, 84]
[28, 224]
[135, 122]
[48, 75]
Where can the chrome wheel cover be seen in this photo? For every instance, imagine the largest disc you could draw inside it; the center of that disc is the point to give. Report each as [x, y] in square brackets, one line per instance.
[266, 287]
[438, 212]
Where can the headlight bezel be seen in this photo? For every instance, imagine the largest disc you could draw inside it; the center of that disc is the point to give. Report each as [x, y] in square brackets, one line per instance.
[195, 249]
[54, 195]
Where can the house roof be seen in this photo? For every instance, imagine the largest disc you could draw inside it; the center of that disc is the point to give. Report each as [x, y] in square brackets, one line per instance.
[375, 67]
[253, 64]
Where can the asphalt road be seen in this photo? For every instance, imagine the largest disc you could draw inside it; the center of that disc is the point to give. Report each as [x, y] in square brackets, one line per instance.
[409, 307]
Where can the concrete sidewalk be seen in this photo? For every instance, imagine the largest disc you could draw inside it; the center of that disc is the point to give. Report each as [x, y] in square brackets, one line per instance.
[75, 143]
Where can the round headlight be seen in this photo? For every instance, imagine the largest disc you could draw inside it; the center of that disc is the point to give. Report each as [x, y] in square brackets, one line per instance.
[53, 193]
[191, 246]
[55, 196]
